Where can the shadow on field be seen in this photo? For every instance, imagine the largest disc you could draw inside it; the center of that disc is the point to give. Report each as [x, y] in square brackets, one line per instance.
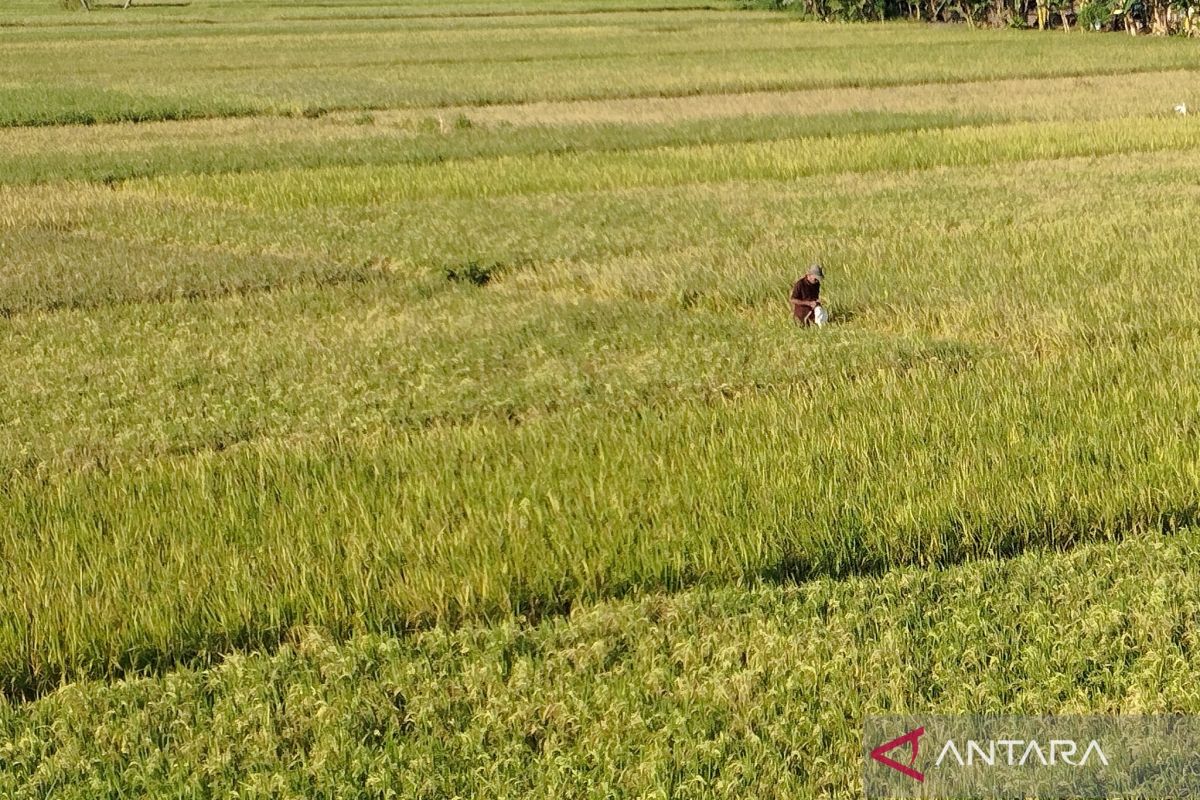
[370, 272]
[1048, 536]
[474, 273]
[137, 4]
[532, 606]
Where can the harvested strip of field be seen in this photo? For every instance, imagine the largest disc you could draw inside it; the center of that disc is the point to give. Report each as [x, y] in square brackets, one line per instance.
[706, 692]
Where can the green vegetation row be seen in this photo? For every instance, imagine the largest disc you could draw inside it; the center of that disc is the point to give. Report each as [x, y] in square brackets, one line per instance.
[214, 75]
[512, 408]
[1159, 17]
[922, 462]
[595, 171]
[39, 12]
[367, 319]
[725, 692]
[364, 141]
[318, 421]
[112, 153]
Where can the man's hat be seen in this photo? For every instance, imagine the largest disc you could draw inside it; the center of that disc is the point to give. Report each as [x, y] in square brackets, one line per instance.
[816, 272]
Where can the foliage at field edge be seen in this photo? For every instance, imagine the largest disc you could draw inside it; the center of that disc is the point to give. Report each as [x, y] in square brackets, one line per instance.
[1158, 17]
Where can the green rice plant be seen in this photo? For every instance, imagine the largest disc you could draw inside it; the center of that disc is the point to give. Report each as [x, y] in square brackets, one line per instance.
[483, 459]
[517, 441]
[757, 693]
[229, 550]
[222, 69]
[602, 171]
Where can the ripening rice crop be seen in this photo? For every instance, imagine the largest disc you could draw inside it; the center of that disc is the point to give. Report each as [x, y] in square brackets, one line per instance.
[716, 691]
[464, 376]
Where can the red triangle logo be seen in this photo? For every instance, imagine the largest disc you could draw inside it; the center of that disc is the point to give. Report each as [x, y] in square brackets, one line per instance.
[913, 738]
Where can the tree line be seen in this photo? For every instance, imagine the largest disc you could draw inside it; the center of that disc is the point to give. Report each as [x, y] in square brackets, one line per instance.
[1159, 17]
[1132, 16]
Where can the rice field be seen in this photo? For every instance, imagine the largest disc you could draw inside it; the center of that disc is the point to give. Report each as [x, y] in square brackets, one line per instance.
[400, 399]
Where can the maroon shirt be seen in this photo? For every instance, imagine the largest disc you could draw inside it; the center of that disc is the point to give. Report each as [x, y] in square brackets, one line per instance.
[809, 294]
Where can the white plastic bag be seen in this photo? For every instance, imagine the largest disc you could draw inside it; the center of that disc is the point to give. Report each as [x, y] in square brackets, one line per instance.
[820, 317]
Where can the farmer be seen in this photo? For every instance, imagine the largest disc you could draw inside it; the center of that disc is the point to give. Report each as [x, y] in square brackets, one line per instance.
[806, 298]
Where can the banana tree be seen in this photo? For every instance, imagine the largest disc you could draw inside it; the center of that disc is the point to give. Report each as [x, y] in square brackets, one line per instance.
[1096, 15]
[1181, 16]
[1131, 13]
[968, 12]
[1064, 8]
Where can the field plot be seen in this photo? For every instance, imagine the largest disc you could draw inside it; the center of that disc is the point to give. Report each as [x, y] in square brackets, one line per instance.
[401, 397]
